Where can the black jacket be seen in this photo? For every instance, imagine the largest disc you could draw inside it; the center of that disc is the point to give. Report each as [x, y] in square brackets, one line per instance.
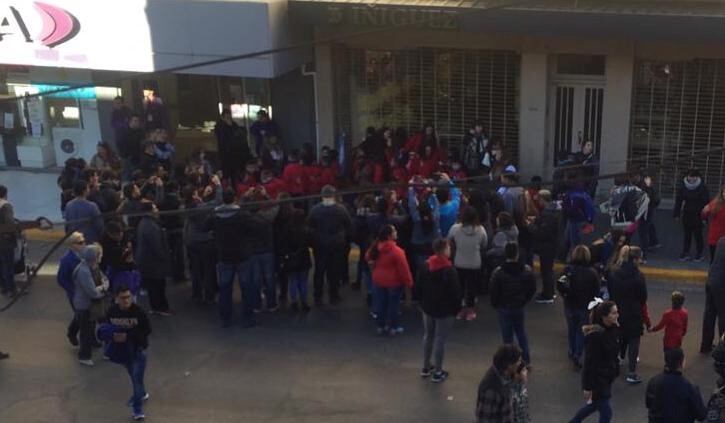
[601, 362]
[152, 249]
[690, 201]
[232, 143]
[171, 222]
[114, 254]
[513, 285]
[628, 289]
[545, 231]
[262, 240]
[439, 289]
[134, 322]
[583, 287]
[291, 240]
[232, 228]
[673, 399]
[330, 226]
[129, 146]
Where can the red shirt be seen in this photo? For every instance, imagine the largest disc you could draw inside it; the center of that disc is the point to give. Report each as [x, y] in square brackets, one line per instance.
[328, 175]
[314, 174]
[675, 324]
[274, 187]
[716, 230]
[295, 178]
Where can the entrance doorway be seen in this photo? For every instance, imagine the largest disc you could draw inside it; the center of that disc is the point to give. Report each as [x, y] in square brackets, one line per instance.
[576, 118]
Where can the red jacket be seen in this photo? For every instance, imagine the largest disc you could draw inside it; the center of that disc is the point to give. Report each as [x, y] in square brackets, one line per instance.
[295, 178]
[328, 175]
[274, 187]
[390, 269]
[428, 166]
[675, 324]
[413, 143]
[378, 173]
[717, 223]
[314, 176]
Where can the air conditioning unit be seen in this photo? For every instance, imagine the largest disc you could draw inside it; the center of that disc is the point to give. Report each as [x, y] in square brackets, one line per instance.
[67, 143]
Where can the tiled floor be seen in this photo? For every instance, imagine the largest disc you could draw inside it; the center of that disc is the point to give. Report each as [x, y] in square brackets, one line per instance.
[32, 194]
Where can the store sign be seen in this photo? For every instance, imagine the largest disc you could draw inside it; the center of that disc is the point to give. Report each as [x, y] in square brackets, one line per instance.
[377, 16]
[55, 25]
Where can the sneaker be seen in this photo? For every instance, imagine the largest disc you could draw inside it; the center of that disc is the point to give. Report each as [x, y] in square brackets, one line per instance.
[471, 315]
[73, 340]
[87, 362]
[544, 300]
[397, 330]
[139, 416]
[426, 372]
[373, 315]
[144, 399]
[685, 257]
[634, 379]
[4, 356]
[439, 376]
[699, 258]
[304, 307]
[273, 309]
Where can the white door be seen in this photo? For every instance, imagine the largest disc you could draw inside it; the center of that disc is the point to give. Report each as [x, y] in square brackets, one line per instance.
[576, 117]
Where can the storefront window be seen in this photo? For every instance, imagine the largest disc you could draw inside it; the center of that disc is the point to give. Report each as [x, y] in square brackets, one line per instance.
[64, 113]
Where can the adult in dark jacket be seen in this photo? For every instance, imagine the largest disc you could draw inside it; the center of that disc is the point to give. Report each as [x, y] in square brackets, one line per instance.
[129, 146]
[545, 230]
[68, 263]
[200, 243]
[647, 230]
[293, 254]
[8, 242]
[583, 288]
[628, 289]
[232, 228]
[714, 299]
[440, 301]
[152, 258]
[671, 397]
[232, 145]
[601, 365]
[513, 285]
[331, 228]
[261, 244]
[173, 225]
[692, 197]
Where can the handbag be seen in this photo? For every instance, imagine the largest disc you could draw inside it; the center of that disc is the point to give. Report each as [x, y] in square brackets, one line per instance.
[563, 284]
[98, 308]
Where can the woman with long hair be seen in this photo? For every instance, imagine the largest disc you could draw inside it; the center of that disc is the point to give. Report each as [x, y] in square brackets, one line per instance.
[391, 275]
[105, 158]
[600, 361]
[628, 289]
[470, 239]
[715, 212]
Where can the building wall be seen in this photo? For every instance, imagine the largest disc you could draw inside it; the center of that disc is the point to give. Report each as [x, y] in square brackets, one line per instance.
[293, 99]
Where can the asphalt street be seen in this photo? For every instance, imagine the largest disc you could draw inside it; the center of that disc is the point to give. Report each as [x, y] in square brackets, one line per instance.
[328, 366]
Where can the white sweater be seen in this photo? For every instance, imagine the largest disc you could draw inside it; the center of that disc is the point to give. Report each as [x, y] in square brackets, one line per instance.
[470, 241]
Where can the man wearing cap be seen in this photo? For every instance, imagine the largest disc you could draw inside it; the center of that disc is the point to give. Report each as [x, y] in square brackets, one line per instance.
[68, 264]
[331, 227]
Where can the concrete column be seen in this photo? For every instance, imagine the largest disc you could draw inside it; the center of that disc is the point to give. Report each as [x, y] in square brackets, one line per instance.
[325, 96]
[615, 116]
[534, 154]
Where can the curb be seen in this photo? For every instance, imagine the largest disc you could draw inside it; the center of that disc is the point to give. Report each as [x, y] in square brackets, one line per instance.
[691, 277]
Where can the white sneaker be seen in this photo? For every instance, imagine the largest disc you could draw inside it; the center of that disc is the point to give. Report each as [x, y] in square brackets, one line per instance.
[88, 362]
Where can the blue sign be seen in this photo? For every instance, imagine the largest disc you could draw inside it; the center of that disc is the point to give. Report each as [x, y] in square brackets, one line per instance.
[78, 93]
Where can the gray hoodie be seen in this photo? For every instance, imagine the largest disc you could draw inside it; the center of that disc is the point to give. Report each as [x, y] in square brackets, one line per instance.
[470, 241]
[85, 280]
[502, 238]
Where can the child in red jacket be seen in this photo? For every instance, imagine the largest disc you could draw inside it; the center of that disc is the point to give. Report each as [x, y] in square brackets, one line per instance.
[674, 321]
[391, 274]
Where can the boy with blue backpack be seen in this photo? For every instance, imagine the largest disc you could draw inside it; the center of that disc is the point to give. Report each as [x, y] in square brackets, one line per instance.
[125, 336]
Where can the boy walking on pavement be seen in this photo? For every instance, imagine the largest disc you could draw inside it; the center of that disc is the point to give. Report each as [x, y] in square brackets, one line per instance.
[128, 341]
[674, 322]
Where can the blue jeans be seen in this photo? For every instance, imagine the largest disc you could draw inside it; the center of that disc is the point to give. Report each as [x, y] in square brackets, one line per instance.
[225, 276]
[261, 269]
[366, 277]
[298, 285]
[511, 321]
[602, 405]
[575, 319]
[573, 235]
[387, 304]
[136, 369]
[7, 269]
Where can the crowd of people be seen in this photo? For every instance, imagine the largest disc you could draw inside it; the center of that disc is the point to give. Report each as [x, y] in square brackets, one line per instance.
[141, 217]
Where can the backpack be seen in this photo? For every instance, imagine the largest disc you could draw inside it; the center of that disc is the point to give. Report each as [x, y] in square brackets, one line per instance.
[716, 407]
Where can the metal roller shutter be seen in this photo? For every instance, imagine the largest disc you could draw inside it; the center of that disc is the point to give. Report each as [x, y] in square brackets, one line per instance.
[406, 88]
[678, 117]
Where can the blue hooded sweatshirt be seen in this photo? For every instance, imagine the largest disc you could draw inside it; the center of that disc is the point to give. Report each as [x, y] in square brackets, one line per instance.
[68, 264]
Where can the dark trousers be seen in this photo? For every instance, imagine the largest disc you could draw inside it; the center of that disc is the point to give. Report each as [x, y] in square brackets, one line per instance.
[470, 281]
[693, 231]
[511, 320]
[86, 326]
[712, 252]
[73, 327]
[575, 319]
[647, 234]
[226, 274]
[714, 311]
[546, 261]
[602, 405]
[345, 266]
[176, 247]
[136, 369]
[328, 263]
[387, 304]
[629, 347]
[202, 264]
[157, 294]
[7, 270]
